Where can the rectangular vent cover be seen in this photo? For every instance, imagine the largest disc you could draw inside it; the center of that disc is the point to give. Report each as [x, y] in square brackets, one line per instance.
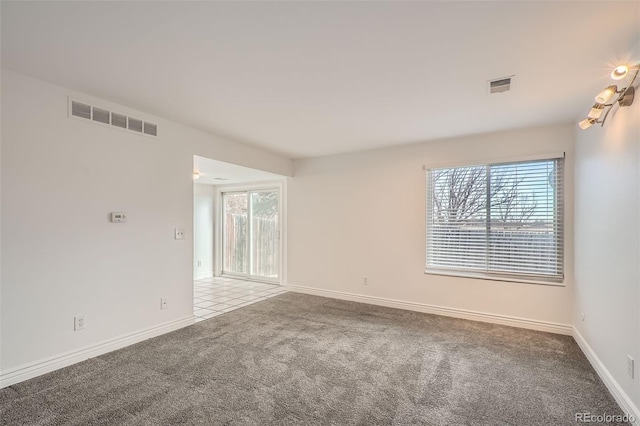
[81, 110]
[135, 125]
[150, 129]
[119, 120]
[501, 85]
[99, 115]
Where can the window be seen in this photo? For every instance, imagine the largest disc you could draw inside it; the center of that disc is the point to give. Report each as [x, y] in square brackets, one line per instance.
[497, 221]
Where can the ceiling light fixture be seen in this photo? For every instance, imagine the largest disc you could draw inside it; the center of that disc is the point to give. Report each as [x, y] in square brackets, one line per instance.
[596, 111]
[606, 95]
[586, 123]
[604, 99]
[619, 72]
[196, 175]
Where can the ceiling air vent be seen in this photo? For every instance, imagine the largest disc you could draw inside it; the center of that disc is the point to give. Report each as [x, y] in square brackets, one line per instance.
[500, 85]
[103, 116]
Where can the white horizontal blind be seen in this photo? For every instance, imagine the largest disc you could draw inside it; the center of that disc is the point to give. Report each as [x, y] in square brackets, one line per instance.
[503, 219]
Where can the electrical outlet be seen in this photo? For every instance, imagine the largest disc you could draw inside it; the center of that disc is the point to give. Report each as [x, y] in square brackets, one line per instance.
[164, 303]
[79, 323]
[365, 281]
[179, 234]
[630, 365]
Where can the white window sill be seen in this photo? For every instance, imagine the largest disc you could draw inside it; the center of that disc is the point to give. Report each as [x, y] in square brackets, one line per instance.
[491, 277]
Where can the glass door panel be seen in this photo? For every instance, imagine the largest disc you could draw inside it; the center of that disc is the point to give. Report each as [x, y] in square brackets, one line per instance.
[265, 234]
[235, 251]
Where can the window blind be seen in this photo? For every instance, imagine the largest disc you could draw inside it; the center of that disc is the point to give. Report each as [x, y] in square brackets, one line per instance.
[497, 220]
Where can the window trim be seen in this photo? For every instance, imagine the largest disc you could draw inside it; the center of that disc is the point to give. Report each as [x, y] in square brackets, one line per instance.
[495, 275]
[281, 185]
[492, 277]
[494, 160]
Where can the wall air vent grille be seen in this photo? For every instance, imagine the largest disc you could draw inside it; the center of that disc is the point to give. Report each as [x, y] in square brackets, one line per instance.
[102, 116]
[500, 85]
[150, 129]
[135, 125]
[119, 120]
[80, 110]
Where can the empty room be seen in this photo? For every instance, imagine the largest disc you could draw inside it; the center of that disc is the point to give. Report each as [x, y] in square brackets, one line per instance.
[320, 213]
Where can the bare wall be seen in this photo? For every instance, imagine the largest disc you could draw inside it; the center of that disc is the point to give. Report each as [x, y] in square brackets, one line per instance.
[363, 215]
[60, 255]
[607, 240]
[203, 214]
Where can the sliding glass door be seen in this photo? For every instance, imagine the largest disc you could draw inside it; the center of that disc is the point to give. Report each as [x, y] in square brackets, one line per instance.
[251, 234]
[235, 227]
[264, 234]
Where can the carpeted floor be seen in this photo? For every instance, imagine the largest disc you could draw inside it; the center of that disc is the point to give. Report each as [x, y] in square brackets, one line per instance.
[303, 360]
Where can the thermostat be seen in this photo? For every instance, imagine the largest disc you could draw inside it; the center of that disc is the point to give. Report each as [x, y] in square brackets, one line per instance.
[117, 217]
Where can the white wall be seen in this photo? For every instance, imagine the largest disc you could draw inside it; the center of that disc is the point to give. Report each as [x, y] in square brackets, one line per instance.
[363, 214]
[60, 255]
[607, 241]
[1, 137]
[203, 213]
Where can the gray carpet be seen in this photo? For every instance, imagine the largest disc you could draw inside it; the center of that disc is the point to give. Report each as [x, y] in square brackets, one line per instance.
[304, 360]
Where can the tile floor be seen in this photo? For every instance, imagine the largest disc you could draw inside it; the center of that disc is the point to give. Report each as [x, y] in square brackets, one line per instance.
[215, 296]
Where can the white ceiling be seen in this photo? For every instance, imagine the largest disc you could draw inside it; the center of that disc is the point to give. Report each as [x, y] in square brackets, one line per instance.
[316, 78]
[215, 172]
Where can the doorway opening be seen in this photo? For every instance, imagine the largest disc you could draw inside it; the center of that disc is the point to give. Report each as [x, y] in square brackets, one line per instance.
[238, 234]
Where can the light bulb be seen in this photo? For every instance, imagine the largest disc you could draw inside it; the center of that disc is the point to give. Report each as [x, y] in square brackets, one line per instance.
[596, 111]
[606, 95]
[619, 72]
[586, 123]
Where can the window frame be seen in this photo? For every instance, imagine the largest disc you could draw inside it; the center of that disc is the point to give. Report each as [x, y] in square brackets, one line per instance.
[281, 186]
[516, 277]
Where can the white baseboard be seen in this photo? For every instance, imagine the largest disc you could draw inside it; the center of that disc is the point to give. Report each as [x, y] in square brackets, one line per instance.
[203, 275]
[439, 310]
[616, 390]
[38, 368]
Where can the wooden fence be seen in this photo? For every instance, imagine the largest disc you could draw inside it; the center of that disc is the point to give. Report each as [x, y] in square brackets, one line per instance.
[266, 247]
[534, 251]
